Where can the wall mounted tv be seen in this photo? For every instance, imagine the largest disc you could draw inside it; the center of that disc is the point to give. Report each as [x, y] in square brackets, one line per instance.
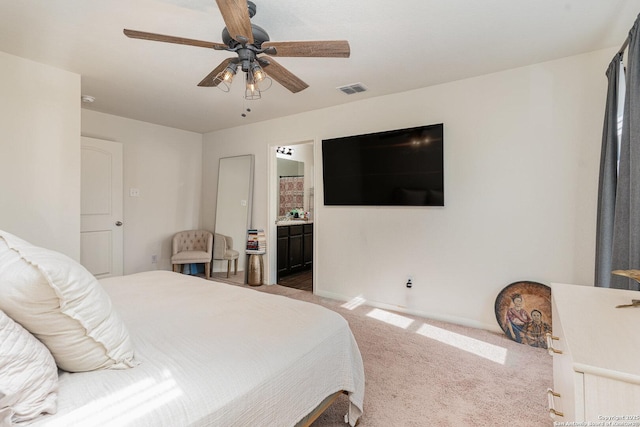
[401, 167]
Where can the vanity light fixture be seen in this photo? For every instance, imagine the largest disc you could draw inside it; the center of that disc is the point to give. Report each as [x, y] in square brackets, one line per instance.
[285, 150]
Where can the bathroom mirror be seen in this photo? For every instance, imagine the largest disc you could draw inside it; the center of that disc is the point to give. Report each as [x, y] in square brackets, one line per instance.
[291, 186]
[295, 179]
[233, 206]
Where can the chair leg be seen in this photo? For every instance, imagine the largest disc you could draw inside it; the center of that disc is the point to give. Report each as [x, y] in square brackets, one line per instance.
[235, 270]
[228, 268]
[207, 269]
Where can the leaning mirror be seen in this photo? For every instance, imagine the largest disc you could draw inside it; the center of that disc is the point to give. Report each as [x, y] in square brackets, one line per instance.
[233, 212]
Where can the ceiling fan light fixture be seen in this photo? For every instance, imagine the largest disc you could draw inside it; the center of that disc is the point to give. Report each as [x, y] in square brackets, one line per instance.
[224, 78]
[229, 72]
[252, 95]
[257, 73]
[256, 81]
[252, 91]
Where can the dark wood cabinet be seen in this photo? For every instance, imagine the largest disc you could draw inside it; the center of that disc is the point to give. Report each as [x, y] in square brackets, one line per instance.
[296, 255]
[295, 248]
[283, 251]
[307, 244]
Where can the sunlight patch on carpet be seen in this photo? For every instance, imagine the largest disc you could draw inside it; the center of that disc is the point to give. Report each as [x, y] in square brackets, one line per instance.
[354, 303]
[488, 351]
[130, 403]
[390, 318]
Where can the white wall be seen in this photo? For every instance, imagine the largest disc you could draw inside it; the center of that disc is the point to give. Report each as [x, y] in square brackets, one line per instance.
[521, 164]
[165, 164]
[40, 154]
[521, 158]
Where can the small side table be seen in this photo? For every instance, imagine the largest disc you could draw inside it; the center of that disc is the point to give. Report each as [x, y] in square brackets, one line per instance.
[256, 268]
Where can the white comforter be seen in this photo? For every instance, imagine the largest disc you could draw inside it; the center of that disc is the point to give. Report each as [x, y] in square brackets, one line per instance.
[214, 355]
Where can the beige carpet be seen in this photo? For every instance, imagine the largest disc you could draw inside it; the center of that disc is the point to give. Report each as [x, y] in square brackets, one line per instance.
[422, 372]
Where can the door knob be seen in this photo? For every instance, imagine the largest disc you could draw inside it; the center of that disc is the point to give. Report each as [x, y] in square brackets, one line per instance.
[118, 223]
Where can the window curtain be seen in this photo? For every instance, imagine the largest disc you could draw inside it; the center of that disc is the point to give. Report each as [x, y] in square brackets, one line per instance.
[625, 241]
[608, 177]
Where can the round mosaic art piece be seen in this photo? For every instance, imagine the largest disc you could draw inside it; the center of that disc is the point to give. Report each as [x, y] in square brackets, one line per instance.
[523, 311]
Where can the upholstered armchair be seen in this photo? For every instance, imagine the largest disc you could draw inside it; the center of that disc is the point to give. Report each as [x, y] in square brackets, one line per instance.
[193, 247]
[223, 250]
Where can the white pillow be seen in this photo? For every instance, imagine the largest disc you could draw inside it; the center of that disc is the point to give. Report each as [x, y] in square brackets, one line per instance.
[5, 416]
[28, 375]
[63, 305]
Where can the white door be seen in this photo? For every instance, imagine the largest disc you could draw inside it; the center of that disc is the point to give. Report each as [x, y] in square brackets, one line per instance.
[101, 227]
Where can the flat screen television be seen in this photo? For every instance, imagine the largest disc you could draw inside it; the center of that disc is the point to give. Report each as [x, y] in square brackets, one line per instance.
[401, 167]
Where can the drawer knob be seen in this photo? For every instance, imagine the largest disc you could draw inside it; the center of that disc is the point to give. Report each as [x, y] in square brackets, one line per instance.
[552, 350]
[552, 409]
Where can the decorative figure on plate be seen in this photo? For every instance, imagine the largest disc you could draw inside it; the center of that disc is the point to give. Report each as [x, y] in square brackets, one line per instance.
[517, 318]
[534, 332]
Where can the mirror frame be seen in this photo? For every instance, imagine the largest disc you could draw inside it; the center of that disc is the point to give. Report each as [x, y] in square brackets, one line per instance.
[234, 202]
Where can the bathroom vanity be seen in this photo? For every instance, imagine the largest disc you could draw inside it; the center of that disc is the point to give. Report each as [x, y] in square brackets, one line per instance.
[295, 246]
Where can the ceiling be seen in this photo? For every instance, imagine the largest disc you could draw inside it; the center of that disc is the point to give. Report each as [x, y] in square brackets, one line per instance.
[396, 46]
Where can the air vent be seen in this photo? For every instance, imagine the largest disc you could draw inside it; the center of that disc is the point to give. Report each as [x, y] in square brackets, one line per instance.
[353, 88]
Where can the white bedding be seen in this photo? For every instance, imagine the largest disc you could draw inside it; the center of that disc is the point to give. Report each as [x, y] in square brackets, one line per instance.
[214, 355]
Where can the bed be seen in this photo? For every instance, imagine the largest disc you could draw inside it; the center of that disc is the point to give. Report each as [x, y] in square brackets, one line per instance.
[203, 353]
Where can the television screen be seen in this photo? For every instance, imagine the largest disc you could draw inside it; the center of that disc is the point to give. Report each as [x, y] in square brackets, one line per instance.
[394, 168]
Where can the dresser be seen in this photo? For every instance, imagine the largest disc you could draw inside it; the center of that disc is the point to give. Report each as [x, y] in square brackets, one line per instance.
[596, 355]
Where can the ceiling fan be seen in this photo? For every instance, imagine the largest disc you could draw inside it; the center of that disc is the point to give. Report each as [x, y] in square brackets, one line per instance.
[251, 45]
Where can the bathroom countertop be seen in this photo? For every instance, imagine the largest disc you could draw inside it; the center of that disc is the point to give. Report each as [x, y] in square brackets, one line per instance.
[294, 222]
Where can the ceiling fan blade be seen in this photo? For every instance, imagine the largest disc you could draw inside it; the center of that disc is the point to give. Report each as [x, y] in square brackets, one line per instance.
[324, 49]
[210, 80]
[236, 17]
[283, 76]
[171, 39]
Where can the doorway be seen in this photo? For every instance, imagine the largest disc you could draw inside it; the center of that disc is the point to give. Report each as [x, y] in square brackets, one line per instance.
[292, 214]
[101, 213]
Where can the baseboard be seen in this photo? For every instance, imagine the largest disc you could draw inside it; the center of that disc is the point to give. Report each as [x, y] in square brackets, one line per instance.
[435, 316]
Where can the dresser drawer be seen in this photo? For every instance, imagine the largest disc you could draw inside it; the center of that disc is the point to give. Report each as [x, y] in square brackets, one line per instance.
[568, 384]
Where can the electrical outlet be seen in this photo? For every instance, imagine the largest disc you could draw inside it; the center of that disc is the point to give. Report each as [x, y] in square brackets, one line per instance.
[154, 259]
[409, 283]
